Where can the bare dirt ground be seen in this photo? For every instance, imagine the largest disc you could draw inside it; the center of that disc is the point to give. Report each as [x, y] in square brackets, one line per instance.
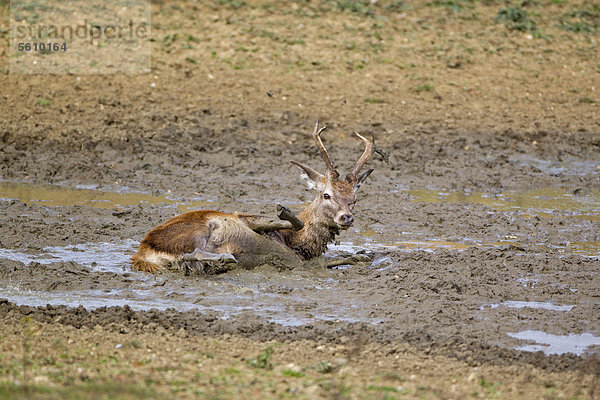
[483, 225]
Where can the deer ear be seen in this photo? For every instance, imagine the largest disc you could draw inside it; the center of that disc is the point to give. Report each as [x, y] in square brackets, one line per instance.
[361, 178]
[312, 177]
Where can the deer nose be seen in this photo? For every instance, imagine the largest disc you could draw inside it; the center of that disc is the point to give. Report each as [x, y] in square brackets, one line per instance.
[347, 219]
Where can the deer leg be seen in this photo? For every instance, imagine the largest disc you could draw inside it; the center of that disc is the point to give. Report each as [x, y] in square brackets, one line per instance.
[285, 214]
[287, 220]
[201, 255]
[268, 225]
[354, 259]
[201, 262]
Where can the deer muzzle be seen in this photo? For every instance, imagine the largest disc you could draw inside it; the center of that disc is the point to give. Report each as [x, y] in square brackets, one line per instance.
[345, 220]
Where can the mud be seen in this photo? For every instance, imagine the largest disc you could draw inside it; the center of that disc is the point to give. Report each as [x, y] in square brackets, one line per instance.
[459, 275]
[482, 226]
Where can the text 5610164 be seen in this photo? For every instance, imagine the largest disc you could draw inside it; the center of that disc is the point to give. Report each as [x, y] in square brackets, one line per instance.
[45, 47]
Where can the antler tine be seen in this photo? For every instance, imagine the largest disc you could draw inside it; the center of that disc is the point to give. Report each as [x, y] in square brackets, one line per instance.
[369, 148]
[317, 136]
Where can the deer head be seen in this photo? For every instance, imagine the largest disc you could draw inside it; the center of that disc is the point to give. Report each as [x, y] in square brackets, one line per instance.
[335, 198]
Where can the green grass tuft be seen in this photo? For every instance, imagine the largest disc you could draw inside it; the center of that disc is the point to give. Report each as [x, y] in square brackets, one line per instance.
[426, 87]
[373, 100]
[263, 360]
[516, 19]
[292, 373]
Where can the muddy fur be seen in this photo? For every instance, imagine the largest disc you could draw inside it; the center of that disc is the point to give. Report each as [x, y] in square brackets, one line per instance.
[213, 232]
[312, 240]
[243, 237]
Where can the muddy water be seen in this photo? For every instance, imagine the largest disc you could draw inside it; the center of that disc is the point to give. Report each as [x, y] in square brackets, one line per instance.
[410, 259]
[105, 257]
[53, 196]
[581, 205]
[284, 299]
[218, 295]
[547, 202]
[556, 344]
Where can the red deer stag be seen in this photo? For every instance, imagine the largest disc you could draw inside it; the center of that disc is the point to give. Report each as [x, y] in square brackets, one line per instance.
[220, 241]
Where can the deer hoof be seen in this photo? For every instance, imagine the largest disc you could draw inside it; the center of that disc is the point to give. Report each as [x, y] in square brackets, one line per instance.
[361, 258]
[227, 258]
[194, 256]
[189, 257]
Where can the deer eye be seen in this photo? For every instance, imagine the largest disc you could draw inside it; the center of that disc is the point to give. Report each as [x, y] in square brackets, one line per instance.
[326, 196]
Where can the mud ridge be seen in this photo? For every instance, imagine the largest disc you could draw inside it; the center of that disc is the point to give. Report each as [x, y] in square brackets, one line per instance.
[124, 319]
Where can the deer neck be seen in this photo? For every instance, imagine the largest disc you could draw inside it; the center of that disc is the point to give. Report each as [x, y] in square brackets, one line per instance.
[311, 241]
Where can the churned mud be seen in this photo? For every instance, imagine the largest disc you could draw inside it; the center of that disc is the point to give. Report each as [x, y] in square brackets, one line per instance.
[484, 227]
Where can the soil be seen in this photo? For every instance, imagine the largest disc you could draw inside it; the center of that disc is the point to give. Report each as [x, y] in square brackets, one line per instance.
[491, 196]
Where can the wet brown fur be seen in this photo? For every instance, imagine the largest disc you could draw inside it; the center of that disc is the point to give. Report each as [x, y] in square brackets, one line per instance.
[219, 232]
[214, 232]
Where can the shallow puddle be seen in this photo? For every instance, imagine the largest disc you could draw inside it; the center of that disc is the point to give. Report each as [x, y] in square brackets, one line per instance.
[590, 249]
[556, 344]
[583, 204]
[288, 300]
[104, 257]
[544, 305]
[575, 167]
[88, 299]
[228, 295]
[54, 196]
[405, 245]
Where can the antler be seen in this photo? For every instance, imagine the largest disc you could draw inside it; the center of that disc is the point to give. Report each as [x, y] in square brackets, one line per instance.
[369, 148]
[317, 136]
